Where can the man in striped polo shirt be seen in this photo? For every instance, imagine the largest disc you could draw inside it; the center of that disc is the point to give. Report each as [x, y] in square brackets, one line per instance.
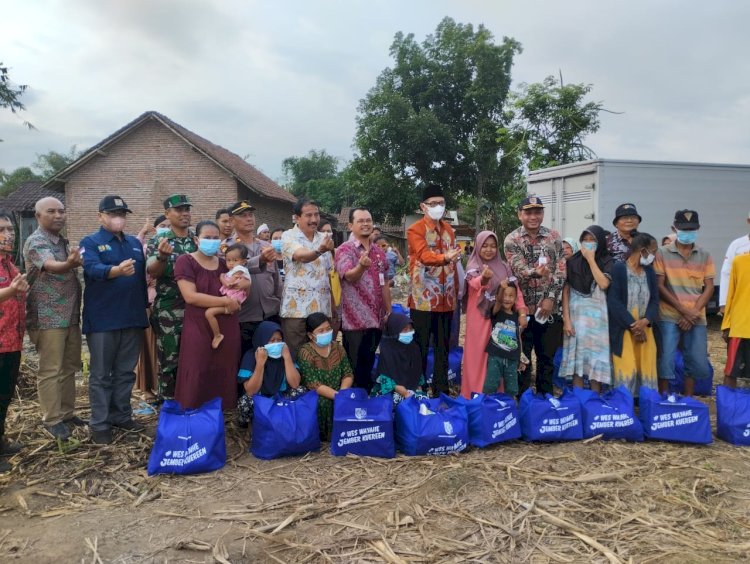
[685, 276]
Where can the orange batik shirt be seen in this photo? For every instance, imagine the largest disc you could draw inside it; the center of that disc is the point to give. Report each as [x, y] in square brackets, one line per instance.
[434, 284]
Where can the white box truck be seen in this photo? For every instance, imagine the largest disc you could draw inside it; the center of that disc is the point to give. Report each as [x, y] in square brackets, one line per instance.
[581, 194]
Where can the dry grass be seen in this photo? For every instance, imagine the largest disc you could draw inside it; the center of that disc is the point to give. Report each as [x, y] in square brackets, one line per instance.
[586, 501]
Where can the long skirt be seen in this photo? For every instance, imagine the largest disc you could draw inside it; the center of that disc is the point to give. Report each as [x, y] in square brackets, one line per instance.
[637, 365]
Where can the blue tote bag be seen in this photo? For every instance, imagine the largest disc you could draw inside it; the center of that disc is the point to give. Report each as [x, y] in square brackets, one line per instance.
[188, 441]
[703, 387]
[670, 417]
[546, 418]
[362, 425]
[610, 414]
[431, 426]
[733, 415]
[493, 418]
[284, 427]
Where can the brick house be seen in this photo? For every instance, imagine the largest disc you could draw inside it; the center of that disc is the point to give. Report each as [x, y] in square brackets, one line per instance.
[153, 157]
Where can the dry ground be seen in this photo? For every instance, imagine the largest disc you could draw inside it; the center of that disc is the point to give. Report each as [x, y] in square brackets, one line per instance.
[573, 502]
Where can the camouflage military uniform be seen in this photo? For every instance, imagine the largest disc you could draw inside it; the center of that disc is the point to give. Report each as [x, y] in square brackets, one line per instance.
[168, 311]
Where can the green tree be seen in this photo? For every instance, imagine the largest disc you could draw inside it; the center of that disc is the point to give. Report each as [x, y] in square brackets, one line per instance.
[9, 181]
[52, 162]
[433, 117]
[46, 165]
[317, 177]
[551, 123]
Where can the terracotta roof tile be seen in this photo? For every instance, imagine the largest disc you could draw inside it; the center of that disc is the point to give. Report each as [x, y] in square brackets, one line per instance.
[28, 194]
[247, 174]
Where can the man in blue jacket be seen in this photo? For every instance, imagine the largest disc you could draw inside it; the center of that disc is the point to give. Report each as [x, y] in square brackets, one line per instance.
[114, 316]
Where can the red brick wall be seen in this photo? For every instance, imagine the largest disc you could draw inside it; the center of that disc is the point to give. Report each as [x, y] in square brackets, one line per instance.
[145, 167]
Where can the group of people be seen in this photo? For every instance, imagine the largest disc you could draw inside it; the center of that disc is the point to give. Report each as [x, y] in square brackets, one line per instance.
[231, 311]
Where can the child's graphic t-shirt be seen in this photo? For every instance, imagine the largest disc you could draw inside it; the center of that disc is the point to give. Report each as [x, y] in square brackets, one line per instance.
[504, 338]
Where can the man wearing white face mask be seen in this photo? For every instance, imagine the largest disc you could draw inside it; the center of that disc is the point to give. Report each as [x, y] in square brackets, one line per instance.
[433, 255]
[685, 275]
[114, 316]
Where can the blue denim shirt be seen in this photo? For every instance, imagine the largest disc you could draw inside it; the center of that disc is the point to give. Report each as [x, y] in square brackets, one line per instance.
[117, 303]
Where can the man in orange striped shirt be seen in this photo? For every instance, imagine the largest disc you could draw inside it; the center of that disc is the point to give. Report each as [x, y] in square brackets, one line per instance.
[685, 276]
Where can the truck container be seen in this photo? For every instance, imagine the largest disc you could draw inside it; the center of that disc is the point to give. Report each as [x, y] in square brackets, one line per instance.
[585, 193]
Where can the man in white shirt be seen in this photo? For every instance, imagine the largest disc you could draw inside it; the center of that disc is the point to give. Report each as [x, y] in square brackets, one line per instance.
[739, 246]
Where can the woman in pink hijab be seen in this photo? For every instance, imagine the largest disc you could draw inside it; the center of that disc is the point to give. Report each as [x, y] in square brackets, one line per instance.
[485, 271]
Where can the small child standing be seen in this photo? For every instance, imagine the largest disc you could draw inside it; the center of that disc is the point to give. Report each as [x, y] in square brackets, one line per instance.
[504, 346]
[236, 258]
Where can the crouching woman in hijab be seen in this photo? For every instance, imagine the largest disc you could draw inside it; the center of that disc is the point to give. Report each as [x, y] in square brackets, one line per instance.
[400, 363]
[267, 369]
[585, 321]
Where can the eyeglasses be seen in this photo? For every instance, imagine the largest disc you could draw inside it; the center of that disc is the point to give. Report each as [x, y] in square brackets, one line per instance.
[434, 204]
[363, 221]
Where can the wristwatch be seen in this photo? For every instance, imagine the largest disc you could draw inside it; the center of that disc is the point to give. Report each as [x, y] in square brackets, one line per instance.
[160, 258]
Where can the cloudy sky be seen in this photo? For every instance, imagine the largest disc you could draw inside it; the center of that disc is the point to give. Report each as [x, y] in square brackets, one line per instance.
[270, 79]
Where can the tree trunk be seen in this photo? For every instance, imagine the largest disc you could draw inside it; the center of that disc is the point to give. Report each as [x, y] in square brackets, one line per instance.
[480, 194]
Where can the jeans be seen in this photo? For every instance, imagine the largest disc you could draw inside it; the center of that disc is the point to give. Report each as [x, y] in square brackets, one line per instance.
[694, 350]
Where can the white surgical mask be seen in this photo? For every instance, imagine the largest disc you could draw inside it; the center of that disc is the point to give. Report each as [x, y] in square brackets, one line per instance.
[645, 261]
[436, 213]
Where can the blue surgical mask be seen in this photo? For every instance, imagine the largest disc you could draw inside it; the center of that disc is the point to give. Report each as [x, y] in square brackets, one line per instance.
[276, 244]
[589, 245]
[324, 339]
[274, 349]
[687, 237]
[209, 247]
[406, 338]
[162, 231]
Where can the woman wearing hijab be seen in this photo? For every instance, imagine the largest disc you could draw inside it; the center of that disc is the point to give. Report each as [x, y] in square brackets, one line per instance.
[324, 367]
[570, 247]
[585, 322]
[266, 369]
[485, 271]
[400, 363]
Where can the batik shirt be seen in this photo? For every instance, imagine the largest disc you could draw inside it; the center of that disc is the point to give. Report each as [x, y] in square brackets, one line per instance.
[361, 301]
[168, 294]
[12, 310]
[522, 252]
[434, 284]
[307, 287]
[617, 246]
[54, 300]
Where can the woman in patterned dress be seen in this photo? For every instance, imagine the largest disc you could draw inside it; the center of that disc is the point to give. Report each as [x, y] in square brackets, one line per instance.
[324, 368]
[585, 322]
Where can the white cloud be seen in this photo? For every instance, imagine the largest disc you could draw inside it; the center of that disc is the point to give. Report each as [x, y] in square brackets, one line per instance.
[277, 79]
